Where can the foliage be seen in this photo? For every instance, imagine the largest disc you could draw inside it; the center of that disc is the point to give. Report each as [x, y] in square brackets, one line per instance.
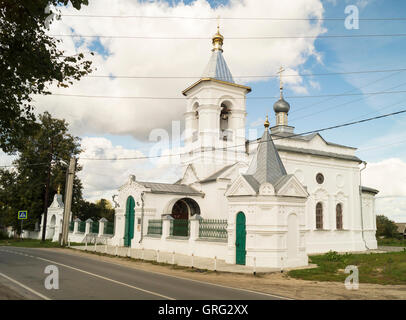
[378, 268]
[23, 188]
[30, 61]
[386, 228]
[95, 211]
[392, 242]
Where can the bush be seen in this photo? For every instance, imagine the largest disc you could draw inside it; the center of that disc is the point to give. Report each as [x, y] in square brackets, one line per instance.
[333, 256]
[3, 235]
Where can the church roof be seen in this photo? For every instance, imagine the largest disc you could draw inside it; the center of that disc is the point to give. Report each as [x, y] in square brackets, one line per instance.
[266, 166]
[217, 68]
[170, 188]
[217, 174]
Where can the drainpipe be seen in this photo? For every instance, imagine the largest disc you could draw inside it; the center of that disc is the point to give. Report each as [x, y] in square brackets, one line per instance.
[142, 217]
[360, 200]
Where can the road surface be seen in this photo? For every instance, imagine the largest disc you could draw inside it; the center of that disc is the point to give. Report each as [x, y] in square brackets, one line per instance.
[23, 271]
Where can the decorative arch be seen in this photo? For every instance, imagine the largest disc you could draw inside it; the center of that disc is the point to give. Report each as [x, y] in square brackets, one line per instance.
[188, 207]
[319, 216]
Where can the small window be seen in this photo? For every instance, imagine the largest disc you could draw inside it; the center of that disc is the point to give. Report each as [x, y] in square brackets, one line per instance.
[319, 216]
[319, 178]
[339, 216]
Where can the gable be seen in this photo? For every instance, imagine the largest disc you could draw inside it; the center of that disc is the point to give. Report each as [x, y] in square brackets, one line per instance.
[240, 187]
[291, 187]
[190, 175]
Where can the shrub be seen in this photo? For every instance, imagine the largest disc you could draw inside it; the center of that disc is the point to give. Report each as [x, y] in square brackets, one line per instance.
[333, 256]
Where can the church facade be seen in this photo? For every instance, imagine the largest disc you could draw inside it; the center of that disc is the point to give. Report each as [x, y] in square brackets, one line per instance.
[268, 202]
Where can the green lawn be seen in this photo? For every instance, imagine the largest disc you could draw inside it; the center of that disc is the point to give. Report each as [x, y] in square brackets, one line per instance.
[378, 268]
[392, 242]
[31, 243]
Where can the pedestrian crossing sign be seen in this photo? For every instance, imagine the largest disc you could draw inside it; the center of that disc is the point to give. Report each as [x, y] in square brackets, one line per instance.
[22, 215]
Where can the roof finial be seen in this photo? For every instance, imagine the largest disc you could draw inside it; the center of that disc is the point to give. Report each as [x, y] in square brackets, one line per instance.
[59, 189]
[266, 124]
[218, 38]
[281, 70]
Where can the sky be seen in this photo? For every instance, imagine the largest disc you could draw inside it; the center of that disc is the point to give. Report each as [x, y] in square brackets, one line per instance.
[112, 128]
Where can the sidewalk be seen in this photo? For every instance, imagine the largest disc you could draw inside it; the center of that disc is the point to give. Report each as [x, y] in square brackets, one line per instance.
[179, 259]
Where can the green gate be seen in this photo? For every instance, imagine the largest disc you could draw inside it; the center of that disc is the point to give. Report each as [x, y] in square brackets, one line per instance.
[129, 221]
[240, 239]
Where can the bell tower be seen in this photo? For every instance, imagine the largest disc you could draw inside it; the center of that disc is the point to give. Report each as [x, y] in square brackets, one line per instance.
[215, 116]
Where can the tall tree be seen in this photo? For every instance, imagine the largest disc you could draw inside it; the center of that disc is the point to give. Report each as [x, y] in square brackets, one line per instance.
[30, 60]
[40, 169]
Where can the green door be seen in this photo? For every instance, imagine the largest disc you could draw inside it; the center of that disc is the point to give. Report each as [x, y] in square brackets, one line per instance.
[129, 221]
[240, 239]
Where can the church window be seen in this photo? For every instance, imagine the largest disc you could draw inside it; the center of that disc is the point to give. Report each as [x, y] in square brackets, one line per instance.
[339, 216]
[225, 132]
[319, 216]
[319, 178]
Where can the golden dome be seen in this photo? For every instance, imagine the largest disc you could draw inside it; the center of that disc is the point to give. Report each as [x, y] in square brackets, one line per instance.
[218, 40]
[266, 124]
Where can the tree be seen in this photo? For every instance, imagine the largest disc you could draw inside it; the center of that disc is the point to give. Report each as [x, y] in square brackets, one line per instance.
[385, 227]
[30, 60]
[95, 211]
[39, 170]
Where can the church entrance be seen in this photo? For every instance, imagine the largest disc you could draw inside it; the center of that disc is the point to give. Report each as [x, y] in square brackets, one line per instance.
[240, 239]
[129, 221]
[181, 211]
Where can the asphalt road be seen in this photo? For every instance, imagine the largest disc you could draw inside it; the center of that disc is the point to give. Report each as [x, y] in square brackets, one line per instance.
[22, 270]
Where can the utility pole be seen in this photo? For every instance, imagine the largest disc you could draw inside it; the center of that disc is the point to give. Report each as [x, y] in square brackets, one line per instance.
[68, 201]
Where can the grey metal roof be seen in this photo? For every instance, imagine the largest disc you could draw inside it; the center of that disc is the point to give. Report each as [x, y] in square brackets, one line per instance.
[217, 174]
[369, 190]
[307, 138]
[318, 153]
[217, 68]
[170, 188]
[266, 166]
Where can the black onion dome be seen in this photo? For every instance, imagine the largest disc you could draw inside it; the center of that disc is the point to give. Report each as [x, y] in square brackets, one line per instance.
[281, 106]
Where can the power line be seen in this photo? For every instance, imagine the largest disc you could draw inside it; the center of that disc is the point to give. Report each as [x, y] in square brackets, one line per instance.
[248, 76]
[234, 38]
[346, 103]
[225, 18]
[254, 141]
[247, 98]
[257, 141]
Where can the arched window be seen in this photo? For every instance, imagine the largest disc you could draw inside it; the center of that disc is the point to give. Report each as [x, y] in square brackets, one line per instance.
[339, 216]
[195, 124]
[319, 216]
[225, 112]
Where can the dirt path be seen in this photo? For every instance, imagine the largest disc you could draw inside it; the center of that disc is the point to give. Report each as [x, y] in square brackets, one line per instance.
[274, 283]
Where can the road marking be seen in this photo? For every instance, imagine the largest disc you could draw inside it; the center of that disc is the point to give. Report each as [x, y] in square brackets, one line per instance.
[108, 279]
[98, 276]
[182, 278]
[25, 287]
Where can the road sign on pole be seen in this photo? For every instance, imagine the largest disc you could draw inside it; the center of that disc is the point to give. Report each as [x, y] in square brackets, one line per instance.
[22, 215]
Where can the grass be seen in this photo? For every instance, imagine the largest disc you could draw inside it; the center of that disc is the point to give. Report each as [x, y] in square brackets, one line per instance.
[392, 242]
[377, 268]
[30, 243]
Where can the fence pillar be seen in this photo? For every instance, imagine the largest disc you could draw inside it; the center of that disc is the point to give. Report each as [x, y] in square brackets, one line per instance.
[166, 226]
[194, 227]
[88, 225]
[76, 225]
[102, 222]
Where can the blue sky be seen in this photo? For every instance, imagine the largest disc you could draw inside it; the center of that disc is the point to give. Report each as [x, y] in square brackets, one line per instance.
[118, 128]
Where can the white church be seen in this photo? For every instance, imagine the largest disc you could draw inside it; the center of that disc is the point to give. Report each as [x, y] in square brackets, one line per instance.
[270, 202]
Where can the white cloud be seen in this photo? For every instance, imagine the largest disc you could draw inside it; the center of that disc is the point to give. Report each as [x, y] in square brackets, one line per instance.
[389, 177]
[142, 57]
[101, 179]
